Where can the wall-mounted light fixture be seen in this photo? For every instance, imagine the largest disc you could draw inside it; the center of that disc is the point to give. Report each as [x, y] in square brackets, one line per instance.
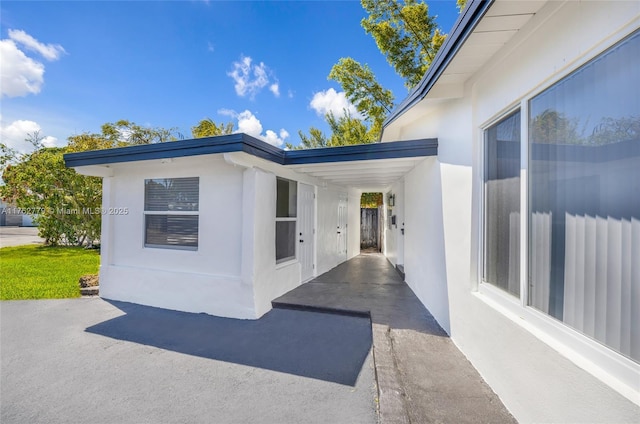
[392, 199]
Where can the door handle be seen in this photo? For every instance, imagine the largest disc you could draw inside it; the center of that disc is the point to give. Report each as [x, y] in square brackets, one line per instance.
[301, 241]
[339, 232]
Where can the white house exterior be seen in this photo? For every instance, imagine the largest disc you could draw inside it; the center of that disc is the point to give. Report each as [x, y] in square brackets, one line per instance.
[513, 176]
[224, 225]
[524, 234]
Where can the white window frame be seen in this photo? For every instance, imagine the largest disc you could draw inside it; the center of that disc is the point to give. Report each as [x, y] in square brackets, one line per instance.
[145, 245]
[481, 257]
[288, 260]
[613, 368]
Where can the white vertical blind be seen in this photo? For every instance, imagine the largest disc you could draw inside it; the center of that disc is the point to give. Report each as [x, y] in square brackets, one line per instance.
[584, 190]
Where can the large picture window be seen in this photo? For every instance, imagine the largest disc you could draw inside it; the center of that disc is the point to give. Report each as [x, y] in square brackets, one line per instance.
[502, 204]
[584, 199]
[286, 219]
[171, 213]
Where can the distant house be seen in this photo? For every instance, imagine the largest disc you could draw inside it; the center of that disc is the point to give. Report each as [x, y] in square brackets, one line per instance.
[513, 170]
[12, 216]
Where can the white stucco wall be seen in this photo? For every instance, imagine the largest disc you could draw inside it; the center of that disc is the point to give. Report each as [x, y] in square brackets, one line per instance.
[353, 223]
[233, 273]
[528, 359]
[269, 280]
[394, 240]
[207, 280]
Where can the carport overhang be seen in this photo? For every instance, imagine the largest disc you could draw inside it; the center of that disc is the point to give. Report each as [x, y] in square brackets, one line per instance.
[366, 167]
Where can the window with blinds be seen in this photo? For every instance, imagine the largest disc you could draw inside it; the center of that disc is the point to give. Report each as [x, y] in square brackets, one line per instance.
[584, 199]
[171, 212]
[286, 219]
[502, 204]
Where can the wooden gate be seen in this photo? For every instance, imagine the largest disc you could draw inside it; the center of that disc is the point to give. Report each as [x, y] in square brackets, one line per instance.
[369, 235]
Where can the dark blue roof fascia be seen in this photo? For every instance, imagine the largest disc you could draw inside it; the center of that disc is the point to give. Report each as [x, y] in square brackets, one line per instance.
[172, 149]
[253, 146]
[397, 149]
[462, 28]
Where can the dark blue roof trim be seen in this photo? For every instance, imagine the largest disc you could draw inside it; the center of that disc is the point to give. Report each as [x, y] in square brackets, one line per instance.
[255, 147]
[200, 146]
[466, 23]
[397, 149]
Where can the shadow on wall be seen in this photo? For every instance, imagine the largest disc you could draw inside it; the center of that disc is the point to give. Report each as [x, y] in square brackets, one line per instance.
[322, 346]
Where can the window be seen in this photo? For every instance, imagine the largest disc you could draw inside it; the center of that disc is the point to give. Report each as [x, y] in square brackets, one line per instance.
[502, 204]
[286, 212]
[171, 213]
[584, 199]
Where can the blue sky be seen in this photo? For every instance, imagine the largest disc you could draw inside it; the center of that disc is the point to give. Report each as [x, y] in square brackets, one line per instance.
[69, 67]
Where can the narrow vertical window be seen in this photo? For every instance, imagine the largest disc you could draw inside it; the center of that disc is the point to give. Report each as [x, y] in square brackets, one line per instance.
[286, 218]
[502, 204]
[584, 199]
[171, 213]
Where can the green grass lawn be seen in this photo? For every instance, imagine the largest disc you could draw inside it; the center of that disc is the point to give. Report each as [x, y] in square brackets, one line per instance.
[39, 272]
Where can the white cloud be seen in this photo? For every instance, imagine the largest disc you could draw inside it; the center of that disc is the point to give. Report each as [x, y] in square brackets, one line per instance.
[22, 75]
[249, 124]
[210, 47]
[14, 134]
[48, 51]
[250, 78]
[276, 139]
[228, 112]
[290, 94]
[275, 89]
[329, 100]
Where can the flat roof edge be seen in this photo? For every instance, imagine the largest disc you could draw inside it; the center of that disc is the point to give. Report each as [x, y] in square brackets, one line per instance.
[173, 149]
[373, 151]
[465, 24]
[254, 147]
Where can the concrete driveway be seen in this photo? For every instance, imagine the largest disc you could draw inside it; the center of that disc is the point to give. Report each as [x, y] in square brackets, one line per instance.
[89, 360]
[17, 236]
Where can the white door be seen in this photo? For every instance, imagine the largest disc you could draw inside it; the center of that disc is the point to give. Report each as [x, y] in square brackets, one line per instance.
[342, 228]
[306, 233]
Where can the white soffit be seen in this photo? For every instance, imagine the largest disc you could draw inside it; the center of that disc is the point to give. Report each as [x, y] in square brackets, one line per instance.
[364, 175]
[501, 22]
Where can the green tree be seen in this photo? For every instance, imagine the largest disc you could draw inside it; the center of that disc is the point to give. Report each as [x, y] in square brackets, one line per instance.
[59, 196]
[67, 203]
[345, 130]
[405, 33]
[208, 128]
[363, 90]
[408, 37]
[371, 200]
[314, 140]
[127, 133]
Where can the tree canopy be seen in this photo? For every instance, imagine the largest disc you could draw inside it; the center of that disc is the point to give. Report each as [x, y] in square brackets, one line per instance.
[208, 128]
[67, 205]
[409, 38]
[405, 34]
[345, 130]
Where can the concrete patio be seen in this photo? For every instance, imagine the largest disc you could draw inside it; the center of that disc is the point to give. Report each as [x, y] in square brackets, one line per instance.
[421, 375]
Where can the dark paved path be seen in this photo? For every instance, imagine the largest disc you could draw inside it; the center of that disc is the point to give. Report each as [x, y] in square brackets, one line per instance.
[422, 376]
[93, 361]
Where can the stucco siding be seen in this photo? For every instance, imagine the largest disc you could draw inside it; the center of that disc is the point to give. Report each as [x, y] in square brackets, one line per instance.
[527, 358]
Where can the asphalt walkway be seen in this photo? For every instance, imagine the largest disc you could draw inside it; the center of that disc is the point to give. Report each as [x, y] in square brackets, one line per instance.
[92, 361]
[422, 377]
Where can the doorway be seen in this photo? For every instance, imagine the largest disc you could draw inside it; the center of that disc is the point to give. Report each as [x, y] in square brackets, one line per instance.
[306, 232]
[371, 225]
